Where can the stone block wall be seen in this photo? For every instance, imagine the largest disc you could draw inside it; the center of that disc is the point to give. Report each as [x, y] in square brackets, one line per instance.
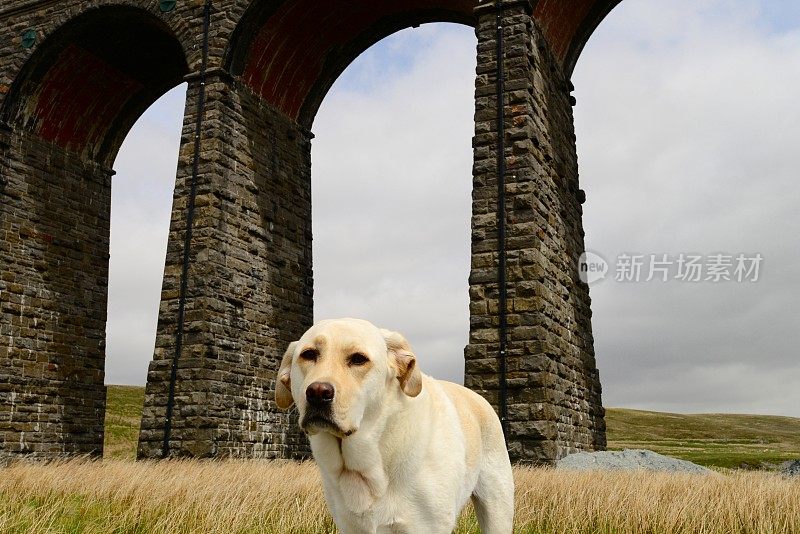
[553, 398]
[61, 121]
[54, 229]
[250, 281]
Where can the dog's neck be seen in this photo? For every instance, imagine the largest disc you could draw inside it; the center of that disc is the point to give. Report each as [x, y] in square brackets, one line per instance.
[355, 464]
[352, 466]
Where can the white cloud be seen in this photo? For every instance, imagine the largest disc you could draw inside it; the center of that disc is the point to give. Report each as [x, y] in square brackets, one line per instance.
[140, 212]
[392, 185]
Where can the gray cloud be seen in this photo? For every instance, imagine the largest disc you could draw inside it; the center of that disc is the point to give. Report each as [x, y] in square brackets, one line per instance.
[392, 181]
[687, 126]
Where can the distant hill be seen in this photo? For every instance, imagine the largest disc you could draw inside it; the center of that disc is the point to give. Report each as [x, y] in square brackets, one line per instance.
[721, 440]
[123, 414]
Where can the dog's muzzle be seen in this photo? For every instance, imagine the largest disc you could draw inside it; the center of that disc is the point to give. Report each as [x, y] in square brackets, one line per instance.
[320, 394]
[317, 420]
[318, 416]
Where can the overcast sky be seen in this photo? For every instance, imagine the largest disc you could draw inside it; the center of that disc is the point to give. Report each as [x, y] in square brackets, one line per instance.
[688, 127]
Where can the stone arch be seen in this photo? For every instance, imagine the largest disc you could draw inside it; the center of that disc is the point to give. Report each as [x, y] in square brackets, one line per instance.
[90, 79]
[248, 278]
[281, 60]
[51, 20]
[63, 120]
[270, 172]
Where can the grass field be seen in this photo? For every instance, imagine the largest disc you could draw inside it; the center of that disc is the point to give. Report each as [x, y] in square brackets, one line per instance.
[282, 497]
[120, 496]
[717, 440]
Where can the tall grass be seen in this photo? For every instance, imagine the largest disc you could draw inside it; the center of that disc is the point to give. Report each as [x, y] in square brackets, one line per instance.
[284, 497]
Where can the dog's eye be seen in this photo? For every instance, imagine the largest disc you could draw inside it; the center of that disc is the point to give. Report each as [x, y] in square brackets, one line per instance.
[358, 359]
[309, 355]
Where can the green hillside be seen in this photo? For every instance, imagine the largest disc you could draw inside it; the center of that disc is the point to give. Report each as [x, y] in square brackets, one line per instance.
[721, 440]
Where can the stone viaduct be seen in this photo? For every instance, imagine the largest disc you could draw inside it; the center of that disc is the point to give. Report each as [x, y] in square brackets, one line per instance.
[74, 77]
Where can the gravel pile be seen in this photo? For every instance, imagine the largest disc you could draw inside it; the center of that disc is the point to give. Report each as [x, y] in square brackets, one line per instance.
[791, 469]
[629, 459]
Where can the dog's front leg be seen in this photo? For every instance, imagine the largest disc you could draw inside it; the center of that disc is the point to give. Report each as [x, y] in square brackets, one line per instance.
[363, 476]
[327, 451]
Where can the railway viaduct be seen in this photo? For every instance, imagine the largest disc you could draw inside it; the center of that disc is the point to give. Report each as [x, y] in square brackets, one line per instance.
[74, 77]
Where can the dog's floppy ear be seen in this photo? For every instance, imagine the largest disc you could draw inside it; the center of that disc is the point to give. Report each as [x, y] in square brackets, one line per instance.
[405, 362]
[283, 383]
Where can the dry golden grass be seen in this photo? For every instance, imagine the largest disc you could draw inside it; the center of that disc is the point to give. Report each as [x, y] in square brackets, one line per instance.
[170, 496]
[283, 497]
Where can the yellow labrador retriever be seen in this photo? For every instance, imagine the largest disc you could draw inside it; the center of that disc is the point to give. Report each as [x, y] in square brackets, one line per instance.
[398, 450]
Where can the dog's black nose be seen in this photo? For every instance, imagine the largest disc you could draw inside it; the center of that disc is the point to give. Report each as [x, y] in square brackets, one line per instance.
[319, 394]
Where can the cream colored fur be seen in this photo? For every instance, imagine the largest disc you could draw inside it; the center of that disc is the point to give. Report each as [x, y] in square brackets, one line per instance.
[403, 452]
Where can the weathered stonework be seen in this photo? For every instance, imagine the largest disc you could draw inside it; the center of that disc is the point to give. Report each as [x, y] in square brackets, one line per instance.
[55, 231]
[250, 282]
[554, 404]
[66, 103]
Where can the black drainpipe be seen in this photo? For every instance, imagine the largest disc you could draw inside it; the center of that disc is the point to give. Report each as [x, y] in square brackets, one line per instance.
[501, 220]
[187, 240]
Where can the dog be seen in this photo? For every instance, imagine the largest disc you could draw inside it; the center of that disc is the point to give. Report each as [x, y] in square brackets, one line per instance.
[398, 450]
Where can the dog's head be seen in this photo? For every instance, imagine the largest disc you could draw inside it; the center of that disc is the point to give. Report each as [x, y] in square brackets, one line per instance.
[341, 370]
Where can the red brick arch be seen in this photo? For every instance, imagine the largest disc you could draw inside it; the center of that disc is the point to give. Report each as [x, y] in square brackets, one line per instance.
[567, 25]
[292, 53]
[90, 80]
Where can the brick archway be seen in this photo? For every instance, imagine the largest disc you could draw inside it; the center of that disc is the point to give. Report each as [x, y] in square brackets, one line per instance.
[92, 78]
[248, 289]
